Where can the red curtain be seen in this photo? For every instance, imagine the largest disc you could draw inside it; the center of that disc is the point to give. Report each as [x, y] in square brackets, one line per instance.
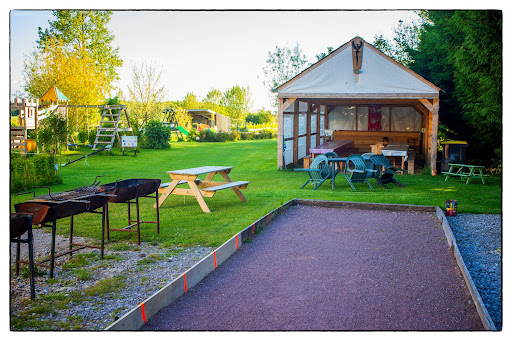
[374, 118]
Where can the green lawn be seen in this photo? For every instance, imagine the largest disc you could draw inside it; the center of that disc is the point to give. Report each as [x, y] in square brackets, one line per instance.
[182, 221]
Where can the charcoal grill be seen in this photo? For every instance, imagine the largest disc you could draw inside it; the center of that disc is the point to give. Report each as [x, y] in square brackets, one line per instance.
[21, 223]
[47, 209]
[129, 192]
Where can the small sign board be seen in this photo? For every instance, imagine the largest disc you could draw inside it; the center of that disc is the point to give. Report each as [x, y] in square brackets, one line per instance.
[129, 141]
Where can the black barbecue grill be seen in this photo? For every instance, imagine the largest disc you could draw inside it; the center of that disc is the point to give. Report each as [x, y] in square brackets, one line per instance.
[48, 208]
[129, 192]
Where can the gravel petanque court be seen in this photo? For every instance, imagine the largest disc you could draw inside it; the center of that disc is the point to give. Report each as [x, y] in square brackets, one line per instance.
[316, 268]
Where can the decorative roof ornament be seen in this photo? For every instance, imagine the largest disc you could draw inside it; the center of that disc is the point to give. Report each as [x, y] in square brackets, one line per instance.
[357, 56]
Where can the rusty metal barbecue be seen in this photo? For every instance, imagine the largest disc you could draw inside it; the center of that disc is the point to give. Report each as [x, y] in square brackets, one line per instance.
[48, 208]
[130, 191]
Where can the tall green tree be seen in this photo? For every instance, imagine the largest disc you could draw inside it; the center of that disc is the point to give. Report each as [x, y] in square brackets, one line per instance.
[85, 30]
[282, 65]
[237, 101]
[461, 52]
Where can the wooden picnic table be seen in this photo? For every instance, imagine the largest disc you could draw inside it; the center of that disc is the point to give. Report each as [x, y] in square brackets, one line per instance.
[340, 147]
[397, 149]
[200, 188]
[465, 171]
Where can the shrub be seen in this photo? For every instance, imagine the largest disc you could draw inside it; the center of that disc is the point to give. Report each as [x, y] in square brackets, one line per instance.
[156, 135]
[32, 170]
[210, 136]
[53, 133]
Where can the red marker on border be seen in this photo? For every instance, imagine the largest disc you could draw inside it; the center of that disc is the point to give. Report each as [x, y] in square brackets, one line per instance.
[185, 281]
[143, 312]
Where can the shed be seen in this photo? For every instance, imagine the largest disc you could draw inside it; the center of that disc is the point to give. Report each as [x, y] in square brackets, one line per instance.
[219, 122]
[357, 93]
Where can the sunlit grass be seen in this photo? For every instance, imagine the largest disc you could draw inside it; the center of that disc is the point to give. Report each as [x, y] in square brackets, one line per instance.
[183, 223]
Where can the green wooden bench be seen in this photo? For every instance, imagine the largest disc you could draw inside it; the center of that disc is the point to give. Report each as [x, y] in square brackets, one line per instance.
[465, 172]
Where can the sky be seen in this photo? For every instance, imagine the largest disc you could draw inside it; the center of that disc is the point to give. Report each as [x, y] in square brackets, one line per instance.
[202, 50]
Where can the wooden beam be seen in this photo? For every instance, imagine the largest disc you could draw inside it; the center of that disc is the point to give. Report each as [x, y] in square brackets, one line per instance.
[346, 95]
[288, 102]
[280, 133]
[426, 103]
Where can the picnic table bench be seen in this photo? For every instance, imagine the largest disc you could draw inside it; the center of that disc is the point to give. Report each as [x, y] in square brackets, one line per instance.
[465, 172]
[200, 188]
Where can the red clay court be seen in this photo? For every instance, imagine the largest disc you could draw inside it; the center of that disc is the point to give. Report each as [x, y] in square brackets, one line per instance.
[318, 268]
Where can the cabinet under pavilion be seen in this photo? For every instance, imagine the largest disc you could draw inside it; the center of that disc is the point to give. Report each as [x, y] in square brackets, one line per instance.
[357, 93]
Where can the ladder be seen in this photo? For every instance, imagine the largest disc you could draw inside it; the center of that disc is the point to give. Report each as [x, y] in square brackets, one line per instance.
[19, 138]
[106, 133]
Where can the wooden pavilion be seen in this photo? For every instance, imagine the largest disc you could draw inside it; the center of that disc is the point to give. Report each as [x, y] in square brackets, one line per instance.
[357, 93]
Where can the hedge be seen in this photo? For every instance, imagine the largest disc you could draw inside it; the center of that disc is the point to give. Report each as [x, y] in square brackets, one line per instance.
[32, 170]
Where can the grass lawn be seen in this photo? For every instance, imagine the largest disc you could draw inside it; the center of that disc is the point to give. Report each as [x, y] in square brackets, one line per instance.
[183, 223]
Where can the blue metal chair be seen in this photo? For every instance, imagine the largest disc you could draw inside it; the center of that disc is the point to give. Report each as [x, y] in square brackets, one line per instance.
[356, 171]
[387, 175]
[318, 171]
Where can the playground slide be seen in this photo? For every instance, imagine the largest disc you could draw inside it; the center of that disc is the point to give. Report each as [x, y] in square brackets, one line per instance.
[180, 128]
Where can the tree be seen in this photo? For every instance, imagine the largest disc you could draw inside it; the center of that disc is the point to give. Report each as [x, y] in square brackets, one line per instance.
[87, 31]
[237, 101]
[461, 52]
[322, 55]
[261, 117]
[146, 92]
[213, 97]
[282, 65]
[75, 55]
[405, 42]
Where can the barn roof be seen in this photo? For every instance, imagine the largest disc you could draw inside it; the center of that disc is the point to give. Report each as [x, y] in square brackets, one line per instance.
[379, 77]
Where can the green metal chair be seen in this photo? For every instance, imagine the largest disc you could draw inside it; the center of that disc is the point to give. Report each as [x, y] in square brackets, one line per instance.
[387, 175]
[333, 154]
[356, 171]
[318, 171]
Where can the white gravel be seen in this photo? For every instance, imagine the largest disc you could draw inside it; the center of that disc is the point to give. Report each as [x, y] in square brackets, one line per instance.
[145, 269]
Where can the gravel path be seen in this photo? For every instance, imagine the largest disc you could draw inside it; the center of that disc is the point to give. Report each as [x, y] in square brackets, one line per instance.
[479, 239]
[143, 270]
[346, 269]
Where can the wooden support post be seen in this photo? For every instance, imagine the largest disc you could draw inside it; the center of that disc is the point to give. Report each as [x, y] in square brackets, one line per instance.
[296, 133]
[435, 123]
[283, 104]
[318, 125]
[280, 134]
[308, 128]
[326, 117]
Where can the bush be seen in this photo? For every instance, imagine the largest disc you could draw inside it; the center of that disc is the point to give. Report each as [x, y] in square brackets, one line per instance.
[53, 134]
[33, 170]
[156, 135]
[210, 136]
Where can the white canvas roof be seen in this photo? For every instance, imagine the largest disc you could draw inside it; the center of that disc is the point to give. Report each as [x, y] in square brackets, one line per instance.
[380, 77]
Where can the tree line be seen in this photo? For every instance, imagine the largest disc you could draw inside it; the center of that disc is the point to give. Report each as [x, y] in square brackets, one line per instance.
[76, 54]
[460, 51]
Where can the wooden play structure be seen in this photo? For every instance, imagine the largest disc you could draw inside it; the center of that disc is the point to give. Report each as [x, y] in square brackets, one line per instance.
[357, 93]
[27, 115]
